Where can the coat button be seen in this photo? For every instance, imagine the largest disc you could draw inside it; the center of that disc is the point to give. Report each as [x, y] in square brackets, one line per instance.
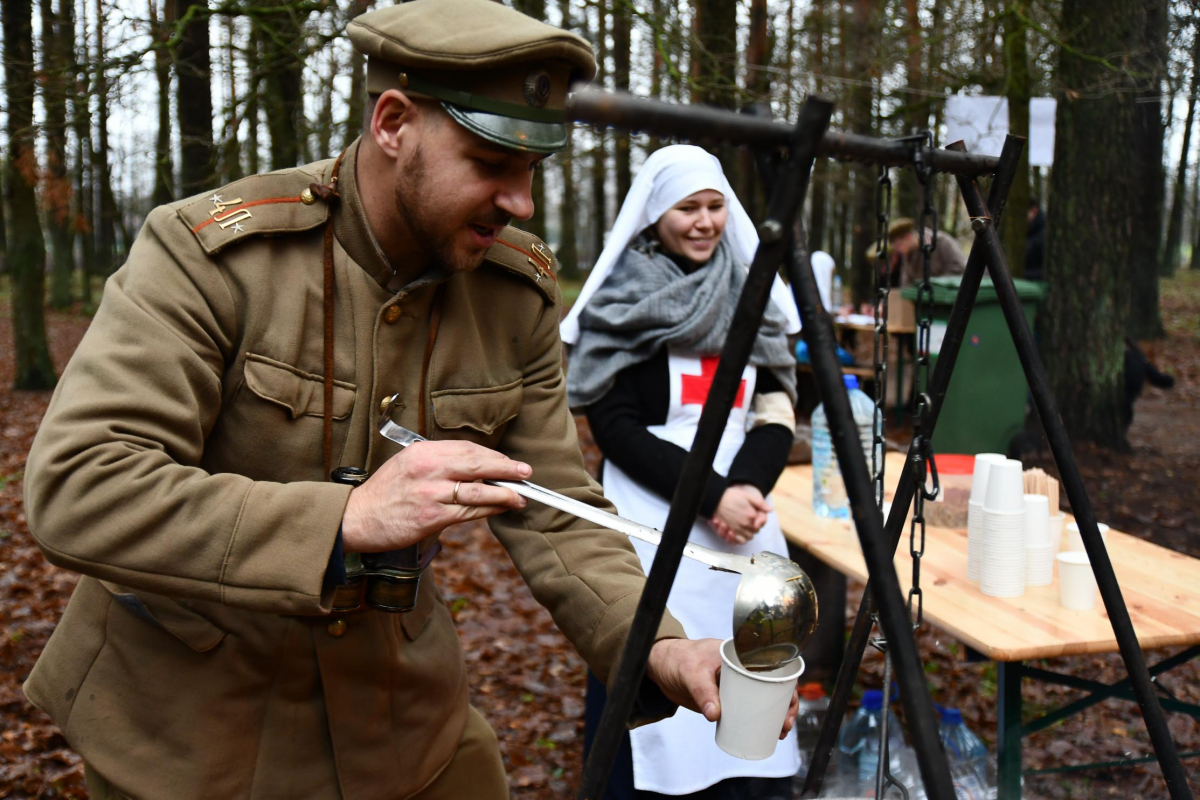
[337, 628]
[392, 314]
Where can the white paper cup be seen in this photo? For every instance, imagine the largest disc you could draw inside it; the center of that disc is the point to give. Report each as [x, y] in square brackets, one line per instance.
[979, 476]
[1039, 565]
[974, 540]
[1037, 520]
[1076, 583]
[1075, 538]
[1056, 530]
[1005, 487]
[1002, 573]
[753, 705]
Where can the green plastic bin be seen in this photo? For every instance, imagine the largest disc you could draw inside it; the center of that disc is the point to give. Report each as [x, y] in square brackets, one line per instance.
[985, 404]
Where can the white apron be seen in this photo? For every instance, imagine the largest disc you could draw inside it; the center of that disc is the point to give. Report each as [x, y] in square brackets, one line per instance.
[680, 755]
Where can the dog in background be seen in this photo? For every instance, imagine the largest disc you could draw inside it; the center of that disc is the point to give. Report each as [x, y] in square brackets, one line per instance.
[1138, 372]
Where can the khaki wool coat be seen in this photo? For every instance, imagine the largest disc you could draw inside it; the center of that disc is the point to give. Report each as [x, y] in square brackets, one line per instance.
[179, 468]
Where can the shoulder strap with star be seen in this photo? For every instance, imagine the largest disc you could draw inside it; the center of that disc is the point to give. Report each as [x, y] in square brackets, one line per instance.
[526, 255]
[260, 205]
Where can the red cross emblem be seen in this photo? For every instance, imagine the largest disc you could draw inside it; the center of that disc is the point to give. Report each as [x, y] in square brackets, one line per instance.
[694, 389]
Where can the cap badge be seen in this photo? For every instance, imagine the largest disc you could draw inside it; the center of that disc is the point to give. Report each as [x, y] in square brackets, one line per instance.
[537, 89]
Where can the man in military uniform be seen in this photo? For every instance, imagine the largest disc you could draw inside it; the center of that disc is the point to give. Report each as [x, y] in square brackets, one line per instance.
[243, 351]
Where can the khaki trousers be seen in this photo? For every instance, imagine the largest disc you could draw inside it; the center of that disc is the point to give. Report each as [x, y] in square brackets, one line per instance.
[476, 771]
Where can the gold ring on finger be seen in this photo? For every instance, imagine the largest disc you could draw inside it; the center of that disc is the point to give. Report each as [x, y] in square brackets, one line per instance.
[454, 498]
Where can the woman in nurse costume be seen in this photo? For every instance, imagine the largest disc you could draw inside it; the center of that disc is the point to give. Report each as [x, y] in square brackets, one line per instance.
[647, 332]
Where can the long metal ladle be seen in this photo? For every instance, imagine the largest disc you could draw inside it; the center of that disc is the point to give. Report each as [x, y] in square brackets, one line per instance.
[774, 610]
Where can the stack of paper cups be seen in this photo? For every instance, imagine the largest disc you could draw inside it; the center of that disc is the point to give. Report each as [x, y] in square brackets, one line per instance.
[1039, 548]
[1002, 572]
[975, 513]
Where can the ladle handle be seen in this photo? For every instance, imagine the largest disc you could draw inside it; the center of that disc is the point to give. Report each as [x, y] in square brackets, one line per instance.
[726, 562]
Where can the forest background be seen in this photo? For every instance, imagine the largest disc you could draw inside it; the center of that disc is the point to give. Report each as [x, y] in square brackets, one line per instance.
[114, 107]
[110, 108]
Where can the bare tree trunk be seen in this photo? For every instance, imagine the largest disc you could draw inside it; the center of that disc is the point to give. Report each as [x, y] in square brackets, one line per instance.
[568, 249]
[1090, 237]
[758, 89]
[164, 164]
[254, 76]
[914, 109]
[622, 22]
[658, 40]
[3, 217]
[358, 88]
[194, 98]
[26, 252]
[283, 72]
[231, 149]
[1145, 318]
[1178, 200]
[1017, 89]
[106, 240]
[862, 25]
[325, 129]
[817, 21]
[599, 168]
[56, 186]
[80, 119]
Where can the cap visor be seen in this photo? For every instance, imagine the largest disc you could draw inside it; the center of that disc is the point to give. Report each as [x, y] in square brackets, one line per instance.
[519, 134]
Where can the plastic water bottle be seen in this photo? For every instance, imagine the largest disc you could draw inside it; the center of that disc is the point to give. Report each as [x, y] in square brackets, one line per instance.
[858, 744]
[829, 492]
[970, 766]
[813, 705]
[836, 293]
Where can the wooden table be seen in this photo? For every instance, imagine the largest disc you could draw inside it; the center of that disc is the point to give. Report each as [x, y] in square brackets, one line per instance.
[1159, 587]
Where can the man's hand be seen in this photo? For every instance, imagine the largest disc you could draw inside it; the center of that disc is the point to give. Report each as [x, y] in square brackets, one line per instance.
[412, 496]
[687, 671]
[741, 513]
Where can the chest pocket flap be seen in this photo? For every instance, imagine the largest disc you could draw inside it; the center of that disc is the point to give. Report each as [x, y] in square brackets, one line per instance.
[483, 410]
[300, 393]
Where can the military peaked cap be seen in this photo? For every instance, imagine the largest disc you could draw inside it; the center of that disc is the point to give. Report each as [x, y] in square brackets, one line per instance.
[499, 73]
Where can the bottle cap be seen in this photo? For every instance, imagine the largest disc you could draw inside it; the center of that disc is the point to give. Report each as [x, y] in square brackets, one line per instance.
[872, 700]
[851, 381]
[812, 691]
[951, 716]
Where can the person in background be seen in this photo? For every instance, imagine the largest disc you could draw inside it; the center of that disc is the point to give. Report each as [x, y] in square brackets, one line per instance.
[1035, 241]
[647, 332]
[905, 259]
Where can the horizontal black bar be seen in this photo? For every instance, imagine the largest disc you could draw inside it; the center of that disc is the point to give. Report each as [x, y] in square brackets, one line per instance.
[1099, 692]
[705, 123]
[1124, 762]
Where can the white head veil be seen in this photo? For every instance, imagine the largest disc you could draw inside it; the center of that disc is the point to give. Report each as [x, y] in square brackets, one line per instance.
[668, 176]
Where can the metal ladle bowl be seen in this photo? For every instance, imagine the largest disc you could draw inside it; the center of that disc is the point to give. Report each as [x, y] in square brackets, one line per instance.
[774, 612]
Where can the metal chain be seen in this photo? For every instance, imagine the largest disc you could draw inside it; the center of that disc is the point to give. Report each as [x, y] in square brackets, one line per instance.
[884, 780]
[883, 210]
[922, 451]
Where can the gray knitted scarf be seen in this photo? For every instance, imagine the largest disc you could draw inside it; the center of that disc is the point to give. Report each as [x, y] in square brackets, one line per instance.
[648, 302]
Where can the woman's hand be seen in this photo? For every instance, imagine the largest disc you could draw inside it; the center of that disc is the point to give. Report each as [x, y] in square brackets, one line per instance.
[741, 513]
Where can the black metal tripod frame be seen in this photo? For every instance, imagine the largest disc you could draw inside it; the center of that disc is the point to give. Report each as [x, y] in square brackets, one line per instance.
[783, 241]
